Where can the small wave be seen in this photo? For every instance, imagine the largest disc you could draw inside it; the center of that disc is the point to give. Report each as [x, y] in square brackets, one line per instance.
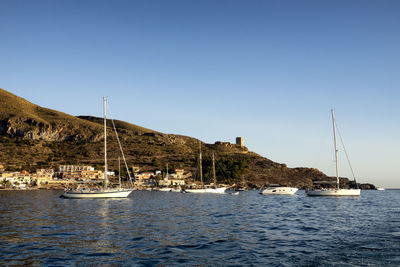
[100, 254]
[396, 234]
[371, 247]
[56, 234]
[309, 229]
[137, 238]
[223, 215]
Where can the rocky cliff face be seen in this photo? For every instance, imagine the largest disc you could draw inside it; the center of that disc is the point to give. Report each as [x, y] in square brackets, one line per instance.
[21, 119]
[29, 128]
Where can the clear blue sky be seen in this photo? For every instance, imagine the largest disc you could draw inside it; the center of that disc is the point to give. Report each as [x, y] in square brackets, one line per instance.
[269, 71]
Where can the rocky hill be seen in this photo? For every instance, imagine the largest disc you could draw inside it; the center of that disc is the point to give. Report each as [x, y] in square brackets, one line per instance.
[35, 137]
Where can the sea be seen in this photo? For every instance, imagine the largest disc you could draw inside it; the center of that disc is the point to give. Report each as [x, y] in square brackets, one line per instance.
[151, 228]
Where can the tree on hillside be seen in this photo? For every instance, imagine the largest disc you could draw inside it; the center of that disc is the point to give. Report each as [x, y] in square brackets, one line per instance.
[227, 170]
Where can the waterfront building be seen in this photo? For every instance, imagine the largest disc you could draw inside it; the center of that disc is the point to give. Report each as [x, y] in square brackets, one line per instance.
[71, 168]
[135, 169]
[179, 173]
[178, 181]
[18, 178]
[44, 176]
[7, 177]
[144, 179]
[9, 174]
[173, 179]
[76, 172]
[45, 173]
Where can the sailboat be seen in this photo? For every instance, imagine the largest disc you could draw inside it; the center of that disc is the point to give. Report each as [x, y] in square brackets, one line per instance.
[105, 192]
[335, 191]
[215, 190]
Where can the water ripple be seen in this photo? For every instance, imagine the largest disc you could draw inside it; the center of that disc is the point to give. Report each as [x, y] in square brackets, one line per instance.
[159, 229]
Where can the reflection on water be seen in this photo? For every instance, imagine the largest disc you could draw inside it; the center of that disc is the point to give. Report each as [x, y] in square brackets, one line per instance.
[165, 228]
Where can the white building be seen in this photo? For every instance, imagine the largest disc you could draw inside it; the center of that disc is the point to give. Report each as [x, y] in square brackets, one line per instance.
[71, 168]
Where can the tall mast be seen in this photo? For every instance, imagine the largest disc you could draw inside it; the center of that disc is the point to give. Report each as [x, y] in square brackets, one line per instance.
[119, 171]
[213, 166]
[336, 151]
[201, 167]
[105, 144]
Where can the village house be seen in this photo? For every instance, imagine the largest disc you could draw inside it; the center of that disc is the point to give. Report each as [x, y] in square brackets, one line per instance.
[19, 179]
[9, 177]
[94, 174]
[135, 169]
[25, 178]
[145, 179]
[67, 168]
[179, 173]
[76, 172]
[44, 176]
[173, 179]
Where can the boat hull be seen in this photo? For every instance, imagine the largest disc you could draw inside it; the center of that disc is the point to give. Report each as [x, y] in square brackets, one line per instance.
[220, 190]
[280, 191]
[98, 194]
[167, 189]
[176, 190]
[334, 192]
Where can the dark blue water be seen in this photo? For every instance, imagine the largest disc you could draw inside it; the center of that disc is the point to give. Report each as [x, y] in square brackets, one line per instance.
[164, 228]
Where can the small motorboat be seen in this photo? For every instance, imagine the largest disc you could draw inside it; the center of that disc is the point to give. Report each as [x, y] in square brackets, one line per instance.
[279, 190]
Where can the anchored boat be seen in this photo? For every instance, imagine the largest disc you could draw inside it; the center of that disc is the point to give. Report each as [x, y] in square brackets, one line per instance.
[105, 192]
[279, 190]
[215, 190]
[335, 191]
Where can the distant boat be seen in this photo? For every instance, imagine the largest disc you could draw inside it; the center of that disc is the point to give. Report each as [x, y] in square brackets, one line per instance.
[244, 185]
[165, 189]
[177, 190]
[169, 189]
[220, 190]
[380, 189]
[105, 192]
[235, 193]
[279, 190]
[335, 191]
[215, 190]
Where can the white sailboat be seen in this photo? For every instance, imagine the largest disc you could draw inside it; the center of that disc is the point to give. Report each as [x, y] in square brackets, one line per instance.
[336, 191]
[279, 190]
[215, 190]
[106, 192]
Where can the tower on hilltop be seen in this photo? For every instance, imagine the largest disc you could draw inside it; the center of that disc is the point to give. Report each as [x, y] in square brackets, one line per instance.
[239, 141]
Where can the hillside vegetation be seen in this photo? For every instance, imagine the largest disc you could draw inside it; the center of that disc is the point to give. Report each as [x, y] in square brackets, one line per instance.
[35, 137]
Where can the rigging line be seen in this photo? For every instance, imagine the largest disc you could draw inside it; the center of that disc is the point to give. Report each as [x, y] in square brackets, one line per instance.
[120, 147]
[345, 152]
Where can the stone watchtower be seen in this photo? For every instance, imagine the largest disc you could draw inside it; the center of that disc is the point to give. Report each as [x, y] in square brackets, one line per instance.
[239, 141]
